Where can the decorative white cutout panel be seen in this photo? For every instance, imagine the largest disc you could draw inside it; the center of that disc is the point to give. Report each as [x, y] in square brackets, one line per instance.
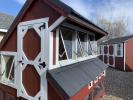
[41, 28]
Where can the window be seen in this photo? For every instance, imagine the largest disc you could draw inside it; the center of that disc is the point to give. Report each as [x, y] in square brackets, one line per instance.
[82, 45]
[74, 45]
[65, 44]
[90, 85]
[7, 69]
[119, 50]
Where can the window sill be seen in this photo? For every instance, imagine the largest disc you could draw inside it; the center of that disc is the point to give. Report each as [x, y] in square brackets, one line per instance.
[71, 61]
[8, 84]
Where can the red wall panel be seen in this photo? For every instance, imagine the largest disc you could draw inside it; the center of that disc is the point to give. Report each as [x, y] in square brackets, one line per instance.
[129, 55]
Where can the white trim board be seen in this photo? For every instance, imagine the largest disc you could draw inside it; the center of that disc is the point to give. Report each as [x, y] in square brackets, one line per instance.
[124, 44]
[3, 30]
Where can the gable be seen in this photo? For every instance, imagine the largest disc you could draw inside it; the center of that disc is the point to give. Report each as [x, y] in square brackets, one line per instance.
[32, 10]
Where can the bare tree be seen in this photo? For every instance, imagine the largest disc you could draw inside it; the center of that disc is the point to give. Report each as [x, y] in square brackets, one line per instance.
[115, 28]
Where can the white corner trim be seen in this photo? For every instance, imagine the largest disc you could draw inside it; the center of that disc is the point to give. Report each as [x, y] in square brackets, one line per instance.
[3, 30]
[57, 22]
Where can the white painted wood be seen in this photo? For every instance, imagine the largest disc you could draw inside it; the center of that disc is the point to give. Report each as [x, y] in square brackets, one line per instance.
[3, 30]
[57, 46]
[124, 44]
[41, 28]
[57, 22]
[33, 22]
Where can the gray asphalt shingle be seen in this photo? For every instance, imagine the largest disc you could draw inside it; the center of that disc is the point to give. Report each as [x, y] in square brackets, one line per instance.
[72, 78]
[5, 21]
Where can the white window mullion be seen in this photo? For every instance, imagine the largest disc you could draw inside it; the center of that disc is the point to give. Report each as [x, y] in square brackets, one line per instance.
[57, 45]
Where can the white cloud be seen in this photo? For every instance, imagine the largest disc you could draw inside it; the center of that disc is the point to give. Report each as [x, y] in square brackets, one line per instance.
[21, 2]
[110, 9]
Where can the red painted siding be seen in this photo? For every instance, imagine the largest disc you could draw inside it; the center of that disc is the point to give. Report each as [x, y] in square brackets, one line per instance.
[53, 94]
[129, 55]
[119, 63]
[8, 93]
[37, 10]
[85, 92]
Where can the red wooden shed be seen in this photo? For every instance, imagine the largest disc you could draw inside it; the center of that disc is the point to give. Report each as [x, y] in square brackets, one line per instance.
[47, 54]
[117, 53]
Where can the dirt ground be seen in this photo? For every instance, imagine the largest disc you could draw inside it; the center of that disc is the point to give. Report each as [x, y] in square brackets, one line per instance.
[118, 85]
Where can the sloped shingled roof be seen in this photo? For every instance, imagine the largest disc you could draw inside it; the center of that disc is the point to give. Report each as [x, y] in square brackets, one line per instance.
[72, 78]
[117, 40]
[5, 21]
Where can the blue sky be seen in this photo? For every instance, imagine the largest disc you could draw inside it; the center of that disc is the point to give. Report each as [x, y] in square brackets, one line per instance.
[11, 7]
[91, 9]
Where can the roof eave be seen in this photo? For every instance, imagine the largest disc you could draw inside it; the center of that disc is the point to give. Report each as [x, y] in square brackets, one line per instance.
[86, 24]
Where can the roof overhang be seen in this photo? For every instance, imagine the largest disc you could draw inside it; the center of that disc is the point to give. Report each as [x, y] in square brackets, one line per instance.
[87, 25]
[72, 78]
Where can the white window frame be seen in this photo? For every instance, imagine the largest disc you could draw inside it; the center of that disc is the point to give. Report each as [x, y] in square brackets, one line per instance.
[70, 61]
[14, 54]
[90, 85]
[121, 50]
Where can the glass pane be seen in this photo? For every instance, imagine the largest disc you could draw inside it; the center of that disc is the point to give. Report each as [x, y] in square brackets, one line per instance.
[118, 49]
[67, 38]
[93, 46]
[62, 54]
[7, 69]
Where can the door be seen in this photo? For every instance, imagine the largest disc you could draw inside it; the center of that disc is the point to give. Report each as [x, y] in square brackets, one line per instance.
[32, 59]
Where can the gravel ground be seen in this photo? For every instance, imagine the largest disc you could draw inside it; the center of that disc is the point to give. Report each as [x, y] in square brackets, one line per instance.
[118, 85]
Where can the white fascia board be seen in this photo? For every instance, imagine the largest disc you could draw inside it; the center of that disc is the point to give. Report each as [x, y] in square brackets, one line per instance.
[3, 30]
